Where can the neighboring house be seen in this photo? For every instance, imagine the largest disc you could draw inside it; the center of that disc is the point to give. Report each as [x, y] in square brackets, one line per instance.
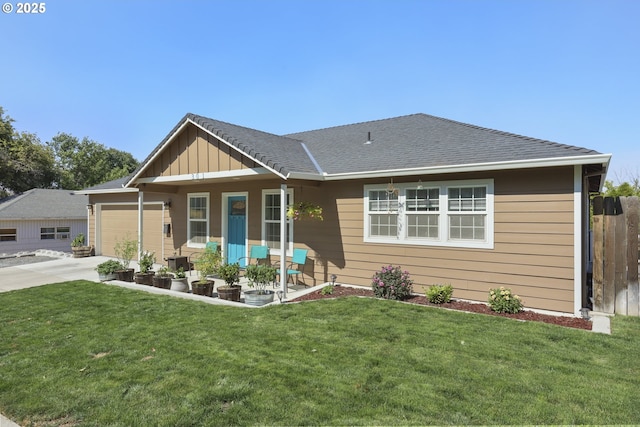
[449, 202]
[41, 219]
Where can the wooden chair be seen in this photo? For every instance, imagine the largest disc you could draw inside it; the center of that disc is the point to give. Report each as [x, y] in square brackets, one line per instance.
[193, 258]
[299, 260]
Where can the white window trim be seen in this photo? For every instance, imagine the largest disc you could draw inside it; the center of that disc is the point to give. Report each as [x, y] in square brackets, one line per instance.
[443, 239]
[191, 244]
[263, 221]
[56, 233]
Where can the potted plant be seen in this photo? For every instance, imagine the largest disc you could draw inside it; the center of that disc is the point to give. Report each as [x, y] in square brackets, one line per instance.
[143, 277]
[162, 279]
[179, 282]
[78, 247]
[207, 265]
[125, 250]
[259, 277]
[107, 270]
[230, 273]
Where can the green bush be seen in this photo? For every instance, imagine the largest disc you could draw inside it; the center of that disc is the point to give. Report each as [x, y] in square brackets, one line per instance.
[504, 301]
[392, 283]
[439, 294]
[326, 290]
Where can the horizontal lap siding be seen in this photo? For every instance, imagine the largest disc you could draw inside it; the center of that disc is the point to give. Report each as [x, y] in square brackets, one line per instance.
[532, 255]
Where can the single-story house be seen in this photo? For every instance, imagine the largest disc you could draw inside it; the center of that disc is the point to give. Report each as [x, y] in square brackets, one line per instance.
[449, 202]
[41, 219]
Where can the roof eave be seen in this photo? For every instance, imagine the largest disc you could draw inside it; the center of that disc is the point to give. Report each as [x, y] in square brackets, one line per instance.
[108, 191]
[186, 121]
[603, 159]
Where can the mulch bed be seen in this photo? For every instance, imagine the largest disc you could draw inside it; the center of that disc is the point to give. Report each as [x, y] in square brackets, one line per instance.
[344, 291]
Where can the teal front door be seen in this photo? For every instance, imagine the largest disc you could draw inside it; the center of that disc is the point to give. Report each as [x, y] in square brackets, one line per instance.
[237, 226]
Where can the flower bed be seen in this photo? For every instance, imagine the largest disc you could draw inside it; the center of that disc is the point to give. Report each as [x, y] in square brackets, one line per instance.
[343, 291]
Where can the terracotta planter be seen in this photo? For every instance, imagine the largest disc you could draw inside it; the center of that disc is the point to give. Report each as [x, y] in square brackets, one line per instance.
[229, 293]
[163, 282]
[125, 275]
[202, 288]
[144, 278]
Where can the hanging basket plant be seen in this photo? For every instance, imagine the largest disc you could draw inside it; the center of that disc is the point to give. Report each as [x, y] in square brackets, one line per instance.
[304, 211]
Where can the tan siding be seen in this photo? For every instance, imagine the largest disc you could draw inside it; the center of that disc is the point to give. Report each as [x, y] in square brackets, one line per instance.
[533, 237]
[533, 242]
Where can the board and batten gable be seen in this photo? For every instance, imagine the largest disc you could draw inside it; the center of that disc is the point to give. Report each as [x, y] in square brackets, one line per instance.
[194, 151]
[533, 252]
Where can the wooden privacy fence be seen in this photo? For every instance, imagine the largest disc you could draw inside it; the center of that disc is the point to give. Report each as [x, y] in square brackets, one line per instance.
[615, 255]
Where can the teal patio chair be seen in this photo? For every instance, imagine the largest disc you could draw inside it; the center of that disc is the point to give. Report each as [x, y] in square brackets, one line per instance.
[193, 258]
[258, 253]
[299, 260]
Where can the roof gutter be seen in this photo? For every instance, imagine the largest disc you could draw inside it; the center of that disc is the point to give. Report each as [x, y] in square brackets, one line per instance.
[603, 159]
[108, 191]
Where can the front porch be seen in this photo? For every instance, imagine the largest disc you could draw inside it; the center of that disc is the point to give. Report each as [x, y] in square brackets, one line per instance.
[293, 291]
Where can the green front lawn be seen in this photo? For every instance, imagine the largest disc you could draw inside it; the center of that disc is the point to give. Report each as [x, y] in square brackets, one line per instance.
[83, 353]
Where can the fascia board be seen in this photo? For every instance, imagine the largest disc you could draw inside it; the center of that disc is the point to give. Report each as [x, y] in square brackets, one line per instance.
[108, 191]
[603, 159]
[205, 175]
[237, 149]
[157, 153]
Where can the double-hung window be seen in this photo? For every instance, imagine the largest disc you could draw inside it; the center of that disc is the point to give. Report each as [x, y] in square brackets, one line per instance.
[197, 220]
[271, 220]
[444, 213]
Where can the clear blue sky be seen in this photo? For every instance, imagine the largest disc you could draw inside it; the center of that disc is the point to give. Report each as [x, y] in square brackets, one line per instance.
[124, 73]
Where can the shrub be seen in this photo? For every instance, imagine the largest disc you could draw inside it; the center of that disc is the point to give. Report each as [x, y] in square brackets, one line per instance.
[392, 283]
[147, 259]
[439, 294]
[326, 290]
[504, 301]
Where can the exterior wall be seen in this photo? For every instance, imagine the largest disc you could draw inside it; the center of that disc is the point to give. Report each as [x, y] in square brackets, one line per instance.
[115, 217]
[195, 151]
[533, 252]
[28, 235]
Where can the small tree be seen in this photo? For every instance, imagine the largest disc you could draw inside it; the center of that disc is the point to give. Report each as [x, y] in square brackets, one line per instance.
[125, 250]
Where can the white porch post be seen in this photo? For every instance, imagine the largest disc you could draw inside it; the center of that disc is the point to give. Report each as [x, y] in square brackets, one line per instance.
[283, 240]
[140, 221]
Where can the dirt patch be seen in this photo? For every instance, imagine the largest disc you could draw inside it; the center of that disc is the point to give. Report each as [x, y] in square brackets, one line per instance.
[343, 291]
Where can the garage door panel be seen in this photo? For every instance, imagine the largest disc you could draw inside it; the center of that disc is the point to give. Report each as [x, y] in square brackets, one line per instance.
[119, 222]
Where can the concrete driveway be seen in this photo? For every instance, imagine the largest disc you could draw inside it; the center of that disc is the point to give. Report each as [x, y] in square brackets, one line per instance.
[50, 271]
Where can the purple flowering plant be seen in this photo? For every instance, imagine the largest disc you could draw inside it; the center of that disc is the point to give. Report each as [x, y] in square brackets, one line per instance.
[392, 283]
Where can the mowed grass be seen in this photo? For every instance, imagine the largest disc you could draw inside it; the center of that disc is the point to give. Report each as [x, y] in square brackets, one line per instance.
[86, 354]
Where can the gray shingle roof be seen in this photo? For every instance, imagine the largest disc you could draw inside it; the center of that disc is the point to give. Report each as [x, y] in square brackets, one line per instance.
[421, 141]
[406, 142]
[40, 203]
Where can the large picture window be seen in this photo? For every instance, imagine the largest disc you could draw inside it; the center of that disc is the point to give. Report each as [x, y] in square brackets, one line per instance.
[451, 213]
[197, 220]
[271, 220]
